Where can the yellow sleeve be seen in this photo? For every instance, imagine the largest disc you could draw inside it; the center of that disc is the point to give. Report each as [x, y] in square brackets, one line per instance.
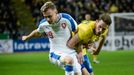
[81, 32]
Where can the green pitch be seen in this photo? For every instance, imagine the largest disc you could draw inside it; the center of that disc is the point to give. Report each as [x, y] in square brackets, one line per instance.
[37, 63]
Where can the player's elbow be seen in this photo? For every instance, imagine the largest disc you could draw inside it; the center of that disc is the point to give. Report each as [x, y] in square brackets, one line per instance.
[72, 42]
[69, 45]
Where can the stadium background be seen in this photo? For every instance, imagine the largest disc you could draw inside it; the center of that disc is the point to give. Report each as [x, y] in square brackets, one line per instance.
[20, 17]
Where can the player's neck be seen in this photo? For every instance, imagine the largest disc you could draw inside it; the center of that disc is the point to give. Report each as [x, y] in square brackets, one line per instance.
[94, 30]
[57, 18]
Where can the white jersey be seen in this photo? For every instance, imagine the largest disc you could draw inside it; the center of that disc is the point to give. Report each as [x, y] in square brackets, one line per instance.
[59, 33]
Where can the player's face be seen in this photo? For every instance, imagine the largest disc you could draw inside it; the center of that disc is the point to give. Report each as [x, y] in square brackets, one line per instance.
[100, 27]
[50, 15]
[87, 17]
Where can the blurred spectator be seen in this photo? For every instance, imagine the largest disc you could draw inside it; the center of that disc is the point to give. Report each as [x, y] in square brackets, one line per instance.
[113, 8]
[87, 18]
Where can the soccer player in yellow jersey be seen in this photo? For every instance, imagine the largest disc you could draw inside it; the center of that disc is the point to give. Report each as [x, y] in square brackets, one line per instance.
[92, 46]
[87, 33]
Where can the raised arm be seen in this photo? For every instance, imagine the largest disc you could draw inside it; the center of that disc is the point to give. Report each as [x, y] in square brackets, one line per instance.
[33, 34]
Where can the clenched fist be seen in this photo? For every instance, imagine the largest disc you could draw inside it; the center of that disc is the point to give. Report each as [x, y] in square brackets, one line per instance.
[24, 38]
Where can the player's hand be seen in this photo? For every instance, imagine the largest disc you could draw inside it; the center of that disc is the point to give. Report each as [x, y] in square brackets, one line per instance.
[93, 49]
[24, 38]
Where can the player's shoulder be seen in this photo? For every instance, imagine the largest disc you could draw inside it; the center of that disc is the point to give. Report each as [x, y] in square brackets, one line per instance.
[92, 22]
[84, 25]
[67, 17]
[87, 27]
[87, 22]
[83, 28]
[71, 22]
[43, 22]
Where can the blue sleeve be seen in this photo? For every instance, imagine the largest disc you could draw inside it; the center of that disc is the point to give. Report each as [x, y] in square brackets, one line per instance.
[71, 20]
[41, 25]
[43, 20]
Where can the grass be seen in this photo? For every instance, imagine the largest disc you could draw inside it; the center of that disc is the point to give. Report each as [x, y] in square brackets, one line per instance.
[37, 63]
[115, 63]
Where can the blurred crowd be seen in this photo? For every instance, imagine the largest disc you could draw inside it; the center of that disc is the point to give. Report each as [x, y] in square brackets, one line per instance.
[8, 19]
[76, 8]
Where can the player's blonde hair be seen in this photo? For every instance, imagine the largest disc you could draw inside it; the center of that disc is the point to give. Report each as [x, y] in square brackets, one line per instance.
[47, 5]
[106, 18]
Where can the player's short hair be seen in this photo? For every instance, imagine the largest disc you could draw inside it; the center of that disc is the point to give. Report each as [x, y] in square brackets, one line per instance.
[47, 5]
[106, 18]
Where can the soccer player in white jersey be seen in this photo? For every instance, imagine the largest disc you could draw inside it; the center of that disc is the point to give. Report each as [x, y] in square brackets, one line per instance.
[58, 28]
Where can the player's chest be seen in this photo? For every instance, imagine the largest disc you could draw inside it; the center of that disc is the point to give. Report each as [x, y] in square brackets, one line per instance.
[56, 30]
[90, 38]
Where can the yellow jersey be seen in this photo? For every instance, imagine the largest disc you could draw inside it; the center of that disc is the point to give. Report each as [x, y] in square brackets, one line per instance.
[87, 35]
[86, 32]
[84, 21]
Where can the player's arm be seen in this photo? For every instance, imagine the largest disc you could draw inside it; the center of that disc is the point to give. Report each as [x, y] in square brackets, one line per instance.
[33, 34]
[73, 41]
[101, 42]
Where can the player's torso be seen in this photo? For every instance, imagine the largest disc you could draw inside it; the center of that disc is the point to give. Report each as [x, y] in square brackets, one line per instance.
[88, 33]
[58, 34]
